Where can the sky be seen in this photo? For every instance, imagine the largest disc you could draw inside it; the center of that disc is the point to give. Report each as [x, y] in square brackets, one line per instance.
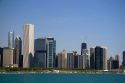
[70, 22]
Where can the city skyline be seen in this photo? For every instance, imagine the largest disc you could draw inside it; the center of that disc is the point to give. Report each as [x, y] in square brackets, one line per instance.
[100, 23]
[44, 54]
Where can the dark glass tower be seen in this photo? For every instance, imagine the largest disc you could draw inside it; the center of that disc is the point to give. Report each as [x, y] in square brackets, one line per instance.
[83, 46]
[40, 52]
[84, 53]
[114, 64]
[92, 58]
[124, 59]
[98, 58]
[1, 56]
[18, 51]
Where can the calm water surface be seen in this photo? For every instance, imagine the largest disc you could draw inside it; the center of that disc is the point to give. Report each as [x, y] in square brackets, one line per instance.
[62, 78]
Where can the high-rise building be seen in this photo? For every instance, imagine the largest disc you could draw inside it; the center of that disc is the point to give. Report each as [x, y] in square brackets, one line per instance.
[62, 59]
[76, 60]
[11, 39]
[1, 56]
[100, 58]
[81, 61]
[40, 52]
[92, 58]
[85, 54]
[85, 58]
[51, 52]
[115, 62]
[8, 54]
[83, 46]
[109, 64]
[123, 63]
[18, 51]
[105, 54]
[70, 61]
[117, 57]
[28, 50]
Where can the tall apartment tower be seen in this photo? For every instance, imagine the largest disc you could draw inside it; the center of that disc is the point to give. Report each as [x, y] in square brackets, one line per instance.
[28, 50]
[11, 39]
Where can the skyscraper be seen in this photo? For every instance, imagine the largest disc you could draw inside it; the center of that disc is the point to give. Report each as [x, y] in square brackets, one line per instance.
[18, 51]
[105, 58]
[92, 58]
[40, 52]
[76, 60]
[1, 56]
[100, 58]
[70, 60]
[123, 63]
[28, 50]
[83, 46]
[51, 52]
[85, 54]
[117, 57]
[81, 61]
[109, 64]
[115, 62]
[11, 39]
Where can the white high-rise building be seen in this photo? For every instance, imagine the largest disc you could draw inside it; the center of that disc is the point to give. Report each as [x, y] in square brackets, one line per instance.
[105, 58]
[28, 51]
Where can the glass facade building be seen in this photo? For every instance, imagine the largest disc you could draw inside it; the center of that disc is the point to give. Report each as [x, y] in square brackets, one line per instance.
[85, 54]
[40, 52]
[18, 51]
[92, 58]
[51, 52]
[83, 46]
[123, 59]
[100, 58]
[11, 39]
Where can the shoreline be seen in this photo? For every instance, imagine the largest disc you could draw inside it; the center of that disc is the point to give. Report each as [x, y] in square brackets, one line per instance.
[15, 70]
[56, 72]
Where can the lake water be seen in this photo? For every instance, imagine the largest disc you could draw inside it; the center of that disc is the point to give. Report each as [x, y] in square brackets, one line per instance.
[62, 78]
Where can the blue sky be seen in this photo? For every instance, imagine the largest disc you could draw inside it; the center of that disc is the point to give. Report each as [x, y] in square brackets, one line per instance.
[70, 22]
